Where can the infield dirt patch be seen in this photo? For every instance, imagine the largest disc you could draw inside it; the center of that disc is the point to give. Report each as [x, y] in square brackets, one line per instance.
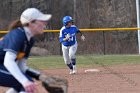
[113, 79]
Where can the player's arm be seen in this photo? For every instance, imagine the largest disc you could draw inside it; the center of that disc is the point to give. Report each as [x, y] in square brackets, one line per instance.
[27, 70]
[62, 37]
[33, 73]
[81, 34]
[67, 37]
[50, 83]
[12, 67]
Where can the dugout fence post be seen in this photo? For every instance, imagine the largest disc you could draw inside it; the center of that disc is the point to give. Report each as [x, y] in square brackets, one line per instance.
[138, 22]
[104, 43]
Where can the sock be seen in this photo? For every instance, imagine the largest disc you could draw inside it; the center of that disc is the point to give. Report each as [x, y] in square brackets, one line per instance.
[73, 61]
[11, 90]
[70, 66]
[22, 92]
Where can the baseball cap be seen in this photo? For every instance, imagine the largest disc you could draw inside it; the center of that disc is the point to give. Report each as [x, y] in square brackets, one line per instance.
[31, 14]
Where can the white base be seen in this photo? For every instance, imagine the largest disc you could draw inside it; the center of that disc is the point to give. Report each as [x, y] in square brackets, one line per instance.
[92, 70]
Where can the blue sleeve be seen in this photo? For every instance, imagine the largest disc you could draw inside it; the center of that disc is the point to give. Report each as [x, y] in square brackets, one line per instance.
[60, 39]
[14, 41]
[77, 30]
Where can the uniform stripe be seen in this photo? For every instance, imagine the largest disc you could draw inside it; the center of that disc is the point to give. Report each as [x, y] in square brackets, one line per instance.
[5, 72]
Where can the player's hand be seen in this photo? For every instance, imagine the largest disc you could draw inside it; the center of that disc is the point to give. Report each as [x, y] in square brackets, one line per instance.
[30, 87]
[83, 38]
[68, 36]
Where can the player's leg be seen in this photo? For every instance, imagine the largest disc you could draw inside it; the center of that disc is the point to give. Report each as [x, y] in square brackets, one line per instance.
[66, 57]
[7, 80]
[72, 54]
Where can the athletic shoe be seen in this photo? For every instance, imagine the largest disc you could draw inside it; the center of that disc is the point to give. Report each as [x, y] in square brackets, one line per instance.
[74, 69]
[71, 72]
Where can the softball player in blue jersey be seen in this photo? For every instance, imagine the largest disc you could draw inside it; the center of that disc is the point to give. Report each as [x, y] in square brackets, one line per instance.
[67, 37]
[15, 48]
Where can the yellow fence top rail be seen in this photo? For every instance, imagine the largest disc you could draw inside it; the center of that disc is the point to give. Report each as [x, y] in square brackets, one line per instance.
[88, 30]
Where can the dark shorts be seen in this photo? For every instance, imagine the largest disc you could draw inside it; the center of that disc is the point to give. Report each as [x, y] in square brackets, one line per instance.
[7, 80]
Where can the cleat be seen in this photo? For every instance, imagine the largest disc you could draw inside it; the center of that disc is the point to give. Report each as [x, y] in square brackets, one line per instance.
[74, 69]
[71, 72]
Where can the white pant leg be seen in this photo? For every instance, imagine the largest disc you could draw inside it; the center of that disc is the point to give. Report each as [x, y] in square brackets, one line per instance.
[11, 90]
[66, 57]
[72, 51]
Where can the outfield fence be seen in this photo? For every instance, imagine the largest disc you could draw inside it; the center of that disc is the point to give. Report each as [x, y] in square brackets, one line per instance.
[98, 43]
[88, 30]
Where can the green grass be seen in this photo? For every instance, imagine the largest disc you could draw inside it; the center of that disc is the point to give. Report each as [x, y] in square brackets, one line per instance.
[83, 61]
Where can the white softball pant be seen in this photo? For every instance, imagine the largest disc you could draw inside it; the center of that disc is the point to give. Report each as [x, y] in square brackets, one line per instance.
[69, 53]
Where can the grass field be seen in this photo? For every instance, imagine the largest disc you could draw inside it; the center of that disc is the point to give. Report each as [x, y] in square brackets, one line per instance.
[83, 61]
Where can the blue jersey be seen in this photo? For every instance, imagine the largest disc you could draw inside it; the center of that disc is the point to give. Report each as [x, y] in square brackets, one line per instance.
[17, 42]
[72, 31]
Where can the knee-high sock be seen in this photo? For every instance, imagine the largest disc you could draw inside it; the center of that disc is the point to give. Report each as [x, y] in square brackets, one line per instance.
[22, 92]
[70, 66]
[73, 61]
[11, 90]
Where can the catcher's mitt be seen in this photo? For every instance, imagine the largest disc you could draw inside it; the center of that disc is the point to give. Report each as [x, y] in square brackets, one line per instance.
[54, 84]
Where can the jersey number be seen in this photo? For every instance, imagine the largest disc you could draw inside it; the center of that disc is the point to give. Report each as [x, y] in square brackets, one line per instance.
[71, 39]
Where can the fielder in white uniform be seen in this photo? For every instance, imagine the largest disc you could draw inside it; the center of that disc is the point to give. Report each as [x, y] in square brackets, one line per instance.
[68, 40]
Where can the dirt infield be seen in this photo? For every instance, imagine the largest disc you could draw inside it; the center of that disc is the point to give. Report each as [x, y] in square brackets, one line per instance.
[114, 79]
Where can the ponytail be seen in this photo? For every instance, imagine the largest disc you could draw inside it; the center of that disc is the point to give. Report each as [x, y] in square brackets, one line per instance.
[15, 24]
